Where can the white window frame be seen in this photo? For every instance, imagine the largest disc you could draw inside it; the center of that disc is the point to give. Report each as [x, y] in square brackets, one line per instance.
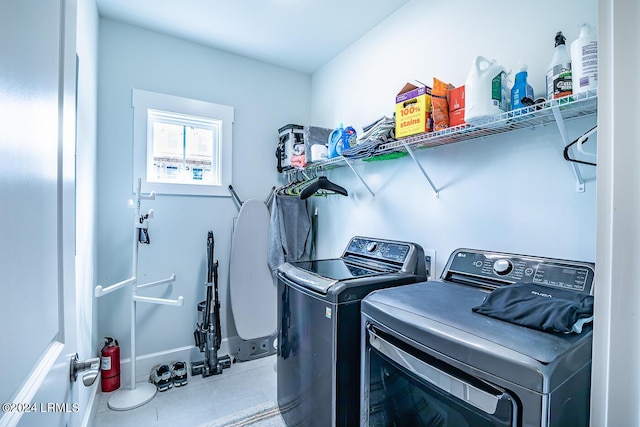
[223, 115]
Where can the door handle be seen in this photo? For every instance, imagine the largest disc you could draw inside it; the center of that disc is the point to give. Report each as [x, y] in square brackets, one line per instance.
[92, 366]
[481, 399]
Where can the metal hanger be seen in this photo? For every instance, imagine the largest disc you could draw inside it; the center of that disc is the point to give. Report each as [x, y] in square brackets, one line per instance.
[323, 186]
[581, 140]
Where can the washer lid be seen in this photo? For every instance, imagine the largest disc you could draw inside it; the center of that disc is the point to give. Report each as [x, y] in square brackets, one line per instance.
[320, 275]
[438, 315]
[336, 269]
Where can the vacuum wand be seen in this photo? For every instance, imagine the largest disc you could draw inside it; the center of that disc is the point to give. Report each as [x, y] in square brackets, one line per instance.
[208, 335]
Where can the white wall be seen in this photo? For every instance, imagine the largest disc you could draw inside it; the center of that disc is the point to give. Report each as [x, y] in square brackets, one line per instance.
[265, 97]
[512, 192]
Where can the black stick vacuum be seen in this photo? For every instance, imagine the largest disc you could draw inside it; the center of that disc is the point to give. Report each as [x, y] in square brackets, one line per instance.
[207, 335]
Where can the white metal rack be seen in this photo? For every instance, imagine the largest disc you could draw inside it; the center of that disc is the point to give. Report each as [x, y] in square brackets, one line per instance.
[137, 395]
[556, 111]
[328, 164]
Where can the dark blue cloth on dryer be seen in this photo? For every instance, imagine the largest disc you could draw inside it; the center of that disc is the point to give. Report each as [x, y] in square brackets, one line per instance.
[539, 307]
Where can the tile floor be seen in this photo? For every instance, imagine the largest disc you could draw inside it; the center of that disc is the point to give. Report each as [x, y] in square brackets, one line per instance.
[241, 386]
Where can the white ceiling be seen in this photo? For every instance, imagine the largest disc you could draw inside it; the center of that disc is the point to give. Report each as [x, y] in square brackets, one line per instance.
[301, 35]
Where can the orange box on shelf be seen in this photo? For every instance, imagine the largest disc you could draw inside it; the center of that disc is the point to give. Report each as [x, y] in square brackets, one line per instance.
[456, 106]
[456, 98]
[456, 117]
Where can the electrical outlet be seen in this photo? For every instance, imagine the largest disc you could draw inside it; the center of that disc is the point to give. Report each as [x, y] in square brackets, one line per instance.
[430, 263]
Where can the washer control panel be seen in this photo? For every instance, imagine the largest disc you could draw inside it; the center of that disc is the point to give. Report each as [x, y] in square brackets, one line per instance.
[494, 269]
[384, 250]
[502, 267]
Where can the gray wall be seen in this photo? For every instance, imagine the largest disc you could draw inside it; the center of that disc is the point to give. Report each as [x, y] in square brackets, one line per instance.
[513, 192]
[264, 97]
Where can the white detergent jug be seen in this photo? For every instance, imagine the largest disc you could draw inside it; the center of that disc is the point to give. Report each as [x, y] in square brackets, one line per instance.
[584, 60]
[485, 90]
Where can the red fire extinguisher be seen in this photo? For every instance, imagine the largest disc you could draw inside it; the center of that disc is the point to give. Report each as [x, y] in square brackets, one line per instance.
[110, 365]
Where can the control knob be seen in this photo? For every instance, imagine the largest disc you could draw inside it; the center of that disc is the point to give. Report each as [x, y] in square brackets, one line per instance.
[502, 267]
[372, 246]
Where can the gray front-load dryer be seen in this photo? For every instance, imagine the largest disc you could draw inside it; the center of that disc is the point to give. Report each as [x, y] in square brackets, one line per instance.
[429, 359]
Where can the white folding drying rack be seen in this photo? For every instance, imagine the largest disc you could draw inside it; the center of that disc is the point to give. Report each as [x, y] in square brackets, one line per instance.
[137, 395]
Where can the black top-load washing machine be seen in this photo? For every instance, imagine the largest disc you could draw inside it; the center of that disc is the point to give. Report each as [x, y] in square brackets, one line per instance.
[430, 360]
[318, 365]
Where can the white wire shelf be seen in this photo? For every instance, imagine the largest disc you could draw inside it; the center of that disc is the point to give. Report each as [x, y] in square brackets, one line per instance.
[570, 107]
[556, 111]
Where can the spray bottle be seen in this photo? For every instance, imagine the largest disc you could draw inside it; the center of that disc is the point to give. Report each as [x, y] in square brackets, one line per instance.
[584, 60]
[559, 70]
[520, 88]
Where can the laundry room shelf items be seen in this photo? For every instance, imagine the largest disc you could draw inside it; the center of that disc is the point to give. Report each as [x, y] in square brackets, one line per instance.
[556, 111]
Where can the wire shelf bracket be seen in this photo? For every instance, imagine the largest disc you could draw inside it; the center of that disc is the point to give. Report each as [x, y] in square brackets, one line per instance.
[417, 162]
[565, 141]
[358, 175]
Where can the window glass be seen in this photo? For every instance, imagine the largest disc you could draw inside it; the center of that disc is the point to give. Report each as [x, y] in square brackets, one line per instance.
[181, 146]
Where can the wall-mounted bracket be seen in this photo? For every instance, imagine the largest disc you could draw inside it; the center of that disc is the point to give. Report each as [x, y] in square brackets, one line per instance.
[415, 160]
[565, 141]
[358, 175]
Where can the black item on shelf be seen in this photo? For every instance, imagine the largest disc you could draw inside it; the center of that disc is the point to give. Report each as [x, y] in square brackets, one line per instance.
[289, 136]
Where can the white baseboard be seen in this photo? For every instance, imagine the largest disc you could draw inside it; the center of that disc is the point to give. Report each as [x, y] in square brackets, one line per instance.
[146, 362]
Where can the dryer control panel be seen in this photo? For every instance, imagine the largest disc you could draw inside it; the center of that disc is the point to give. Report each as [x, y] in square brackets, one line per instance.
[493, 269]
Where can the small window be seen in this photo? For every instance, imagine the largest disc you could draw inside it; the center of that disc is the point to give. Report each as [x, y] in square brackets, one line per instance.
[183, 149]
[181, 145]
